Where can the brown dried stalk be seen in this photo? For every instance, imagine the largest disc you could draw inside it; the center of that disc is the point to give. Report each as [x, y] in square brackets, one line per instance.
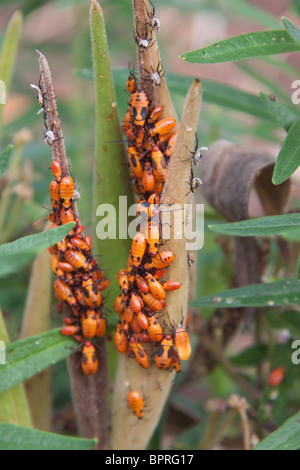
[90, 393]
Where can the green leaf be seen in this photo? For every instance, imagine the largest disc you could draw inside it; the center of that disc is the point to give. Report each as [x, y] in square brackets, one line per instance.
[16, 254]
[109, 156]
[283, 115]
[287, 437]
[28, 356]
[287, 320]
[261, 226]
[4, 156]
[288, 158]
[273, 294]
[244, 46]
[251, 356]
[17, 438]
[292, 29]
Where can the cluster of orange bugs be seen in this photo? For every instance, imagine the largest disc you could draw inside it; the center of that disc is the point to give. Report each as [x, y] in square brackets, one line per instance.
[150, 145]
[79, 281]
[150, 141]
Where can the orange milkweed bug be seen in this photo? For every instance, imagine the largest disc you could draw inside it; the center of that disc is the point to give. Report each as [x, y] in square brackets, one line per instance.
[134, 162]
[138, 249]
[67, 188]
[70, 330]
[123, 280]
[175, 362]
[89, 323]
[141, 283]
[54, 194]
[66, 216]
[91, 293]
[140, 105]
[155, 287]
[79, 243]
[151, 302]
[120, 339]
[142, 320]
[171, 144]
[148, 178]
[136, 303]
[56, 170]
[182, 343]
[154, 115]
[164, 354]
[276, 376]
[89, 361]
[161, 260]
[159, 164]
[162, 128]
[139, 352]
[119, 304]
[64, 292]
[154, 329]
[171, 285]
[136, 403]
[128, 314]
[77, 259]
[131, 84]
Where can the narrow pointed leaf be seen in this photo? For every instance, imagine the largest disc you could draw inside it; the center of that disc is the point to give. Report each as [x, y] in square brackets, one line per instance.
[282, 114]
[18, 438]
[4, 156]
[287, 437]
[16, 254]
[244, 46]
[288, 158]
[285, 292]
[29, 356]
[292, 29]
[261, 226]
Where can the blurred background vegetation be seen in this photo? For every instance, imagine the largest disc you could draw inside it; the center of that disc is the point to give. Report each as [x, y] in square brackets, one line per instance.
[60, 30]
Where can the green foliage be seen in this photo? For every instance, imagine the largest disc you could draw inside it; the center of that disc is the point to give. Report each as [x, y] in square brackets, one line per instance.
[18, 438]
[288, 159]
[15, 255]
[259, 227]
[272, 294]
[244, 46]
[29, 356]
[287, 437]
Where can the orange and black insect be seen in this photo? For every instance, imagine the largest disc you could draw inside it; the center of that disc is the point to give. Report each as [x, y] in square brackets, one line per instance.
[89, 361]
[70, 330]
[91, 292]
[64, 292]
[159, 164]
[164, 355]
[77, 259]
[171, 144]
[134, 162]
[89, 323]
[136, 403]
[139, 105]
[67, 188]
[131, 84]
[154, 329]
[148, 178]
[56, 170]
[140, 353]
[54, 194]
[121, 339]
[101, 326]
[138, 249]
[155, 287]
[182, 343]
